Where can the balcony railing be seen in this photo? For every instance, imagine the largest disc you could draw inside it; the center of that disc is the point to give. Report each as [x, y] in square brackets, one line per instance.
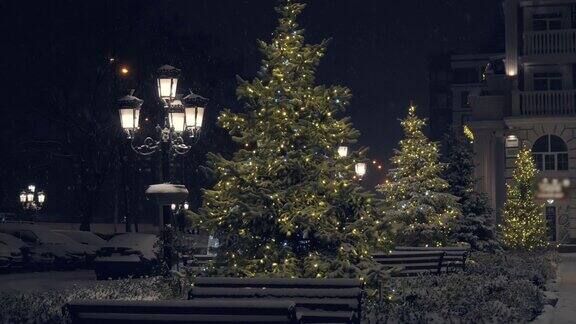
[546, 103]
[550, 42]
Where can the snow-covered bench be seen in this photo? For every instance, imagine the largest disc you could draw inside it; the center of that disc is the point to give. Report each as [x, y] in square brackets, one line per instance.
[180, 311]
[317, 300]
[454, 257]
[411, 263]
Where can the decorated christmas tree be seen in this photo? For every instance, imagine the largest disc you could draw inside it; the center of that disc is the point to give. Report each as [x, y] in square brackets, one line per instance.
[287, 204]
[524, 225]
[474, 226]
[416, 197]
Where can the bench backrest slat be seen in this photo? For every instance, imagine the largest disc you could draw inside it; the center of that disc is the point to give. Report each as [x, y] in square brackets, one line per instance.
[191, 311]
[318, 295]
[412, 262]
[276, 282]
[454, 257]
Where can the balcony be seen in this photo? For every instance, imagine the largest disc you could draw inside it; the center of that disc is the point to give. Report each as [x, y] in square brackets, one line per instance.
[550, 42]
[544, 103]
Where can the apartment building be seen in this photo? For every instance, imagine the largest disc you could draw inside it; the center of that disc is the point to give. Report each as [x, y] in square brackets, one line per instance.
[531, 101]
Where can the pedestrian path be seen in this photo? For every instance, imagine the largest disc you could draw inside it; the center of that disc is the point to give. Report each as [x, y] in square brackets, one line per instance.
[565, 310]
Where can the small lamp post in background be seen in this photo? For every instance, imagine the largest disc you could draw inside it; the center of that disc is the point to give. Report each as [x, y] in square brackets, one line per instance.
[360, 169]
[343, 151]
[32, 200]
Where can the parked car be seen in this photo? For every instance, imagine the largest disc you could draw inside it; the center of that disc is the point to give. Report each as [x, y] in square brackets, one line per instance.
[11, 257]
[130, 254]
[62, 250]
[33, 257]
[90, 241]
[87, 238]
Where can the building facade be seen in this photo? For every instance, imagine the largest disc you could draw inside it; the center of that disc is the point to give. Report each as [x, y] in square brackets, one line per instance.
[532, 101]
[453, 79]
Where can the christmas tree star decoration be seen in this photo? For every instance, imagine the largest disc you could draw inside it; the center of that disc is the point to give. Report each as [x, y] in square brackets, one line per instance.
[286, 204]
[415, 196]
[524, 225]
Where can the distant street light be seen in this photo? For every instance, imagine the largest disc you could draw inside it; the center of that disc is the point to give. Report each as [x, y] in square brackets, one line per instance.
[360, 169]
[343, 151]
[32, 200]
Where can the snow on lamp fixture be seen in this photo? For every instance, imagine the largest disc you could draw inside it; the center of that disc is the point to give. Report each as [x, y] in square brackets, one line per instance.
[32, 188]
[343, 151]
[167, 82]
[360, 169]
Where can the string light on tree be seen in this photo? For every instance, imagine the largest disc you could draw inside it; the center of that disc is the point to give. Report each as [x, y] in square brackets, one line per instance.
[286, 203]
[524, 225]
[415, 195]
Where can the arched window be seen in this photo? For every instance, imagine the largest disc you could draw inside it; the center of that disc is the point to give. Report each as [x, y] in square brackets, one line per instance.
[550, 153]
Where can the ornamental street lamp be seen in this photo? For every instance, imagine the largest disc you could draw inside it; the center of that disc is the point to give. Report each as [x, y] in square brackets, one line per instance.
[32, 200]
[181, 129]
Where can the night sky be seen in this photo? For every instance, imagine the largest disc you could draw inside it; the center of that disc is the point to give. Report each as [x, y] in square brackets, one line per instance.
[378, 49]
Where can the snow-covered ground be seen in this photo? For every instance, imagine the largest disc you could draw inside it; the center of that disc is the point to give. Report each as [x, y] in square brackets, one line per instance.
[42, 281]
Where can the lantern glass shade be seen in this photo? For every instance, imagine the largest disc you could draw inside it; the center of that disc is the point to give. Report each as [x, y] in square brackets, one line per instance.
[22, 197]
[186, 206]
[191, 117]
[167, 87]
[41, 197]
[129, 118]
[177, 121]
[194, 117]
[199, 117]
[360, 169]
[32, 188]
[173, 206]
[30, 197]
[343, 151]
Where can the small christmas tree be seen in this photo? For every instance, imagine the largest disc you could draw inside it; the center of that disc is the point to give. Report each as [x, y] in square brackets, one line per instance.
[524, 225]
[286, 204]
[415, 195]
[474, 226]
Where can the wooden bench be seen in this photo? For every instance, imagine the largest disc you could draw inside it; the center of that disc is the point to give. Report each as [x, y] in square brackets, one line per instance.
[454, 257]
[411, 263]
[180, 311]
[317, 300]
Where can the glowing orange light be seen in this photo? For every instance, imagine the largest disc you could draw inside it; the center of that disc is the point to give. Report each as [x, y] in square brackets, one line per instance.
[124, 70]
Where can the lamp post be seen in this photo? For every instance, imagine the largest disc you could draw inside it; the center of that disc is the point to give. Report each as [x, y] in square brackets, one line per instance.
[32, 200]
[182, 124]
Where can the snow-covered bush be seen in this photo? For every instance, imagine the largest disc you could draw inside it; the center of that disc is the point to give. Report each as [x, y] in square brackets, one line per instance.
[537, 267]
[45, 307]
[495, 288]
